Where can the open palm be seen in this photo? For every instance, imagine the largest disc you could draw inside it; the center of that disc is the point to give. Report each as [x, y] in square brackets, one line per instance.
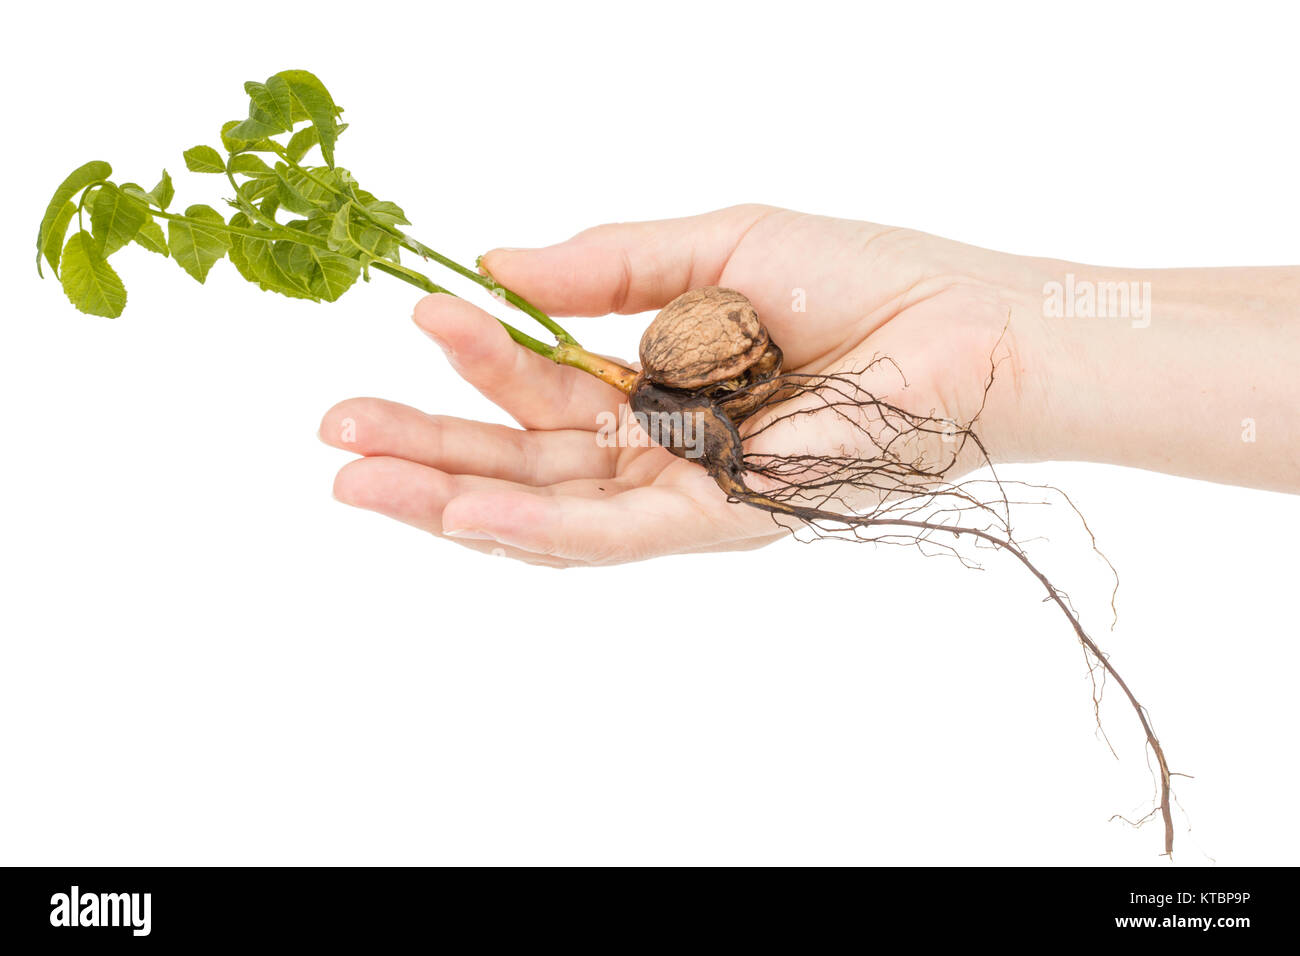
[833, 293]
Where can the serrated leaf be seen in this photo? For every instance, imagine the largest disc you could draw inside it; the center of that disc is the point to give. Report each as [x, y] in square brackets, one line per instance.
[255, 261]
[55, 233]
[251, 130]
[301, 142]
[340, 238]
[163, 193]
[238, 256]
[318, 185]
[151, 237]
[272, 103]
[77, 180]
[204, 159]
[317, 224]
[195, 247]
[350, 235]
[254, 189]
[249, 165]
[303, 193]
[285, 272]
[286, 195]
[311, 94]
[236, 253]
[115, 219]
[89, 281]
[328, 274]
[135, 191]
[387, 214]
[235, 143]
[294, 258]
[334, 274]
[87, 200]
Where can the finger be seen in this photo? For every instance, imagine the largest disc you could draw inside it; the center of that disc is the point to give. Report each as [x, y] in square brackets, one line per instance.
[535, 391]
[625, 267]
[643, 523]
[415, 494]
[372, 426]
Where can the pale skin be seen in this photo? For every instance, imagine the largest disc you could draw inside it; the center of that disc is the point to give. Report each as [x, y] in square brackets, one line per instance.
[1205, 386]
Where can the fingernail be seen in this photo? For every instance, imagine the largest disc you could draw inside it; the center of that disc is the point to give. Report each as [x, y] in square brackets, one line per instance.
[467, 534]
[478, 263]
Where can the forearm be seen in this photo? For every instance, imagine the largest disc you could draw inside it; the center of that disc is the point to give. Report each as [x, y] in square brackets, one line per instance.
[1198, 376]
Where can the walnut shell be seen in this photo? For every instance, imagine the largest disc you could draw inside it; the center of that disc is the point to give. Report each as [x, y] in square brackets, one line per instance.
[702, 337]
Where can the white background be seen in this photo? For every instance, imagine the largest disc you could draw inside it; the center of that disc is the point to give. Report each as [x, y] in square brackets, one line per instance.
[205, 659]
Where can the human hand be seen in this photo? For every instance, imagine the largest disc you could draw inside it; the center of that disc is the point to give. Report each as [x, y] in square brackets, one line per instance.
[833, 293]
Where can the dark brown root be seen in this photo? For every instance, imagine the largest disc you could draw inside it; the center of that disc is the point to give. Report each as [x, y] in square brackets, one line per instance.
[899, 493]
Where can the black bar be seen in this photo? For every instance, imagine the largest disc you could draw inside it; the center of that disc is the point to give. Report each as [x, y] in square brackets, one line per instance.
[207, 906]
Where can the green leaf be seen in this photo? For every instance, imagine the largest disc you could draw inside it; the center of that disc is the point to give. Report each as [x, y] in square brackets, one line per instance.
[235, 143]
[301, 142]
[163, 193]
[256, 261]
[250, 165]
[87, 200]
[319, 106]
[77, 180]
[350, 235]
[340, 238]
[272, 103]
[195, 247]
[254, 189]
[135, 191]
[55, 233]
[387, 214]
[151, 237]
[89, 281]
[317, 224]
[278, 274]
[318, 185]
[329, 274]
[305, 191]
[160, 196]
[204, 159]
[251, 130]
[115, 219]
[333, 275]
[237, 257]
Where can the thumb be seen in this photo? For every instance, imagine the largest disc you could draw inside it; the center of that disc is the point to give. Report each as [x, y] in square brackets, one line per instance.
[625, 267]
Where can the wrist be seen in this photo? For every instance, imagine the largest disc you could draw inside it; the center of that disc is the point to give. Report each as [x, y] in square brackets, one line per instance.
[1175, 370]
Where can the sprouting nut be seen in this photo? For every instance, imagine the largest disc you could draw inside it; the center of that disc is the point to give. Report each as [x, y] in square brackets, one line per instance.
[703, 338]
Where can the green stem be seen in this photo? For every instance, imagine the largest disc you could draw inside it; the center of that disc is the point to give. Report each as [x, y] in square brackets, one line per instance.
[420, 249]
[397, 270]
[293, 235]
[421, 281]
[565, 352]
[491, 284]
[248, 208]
